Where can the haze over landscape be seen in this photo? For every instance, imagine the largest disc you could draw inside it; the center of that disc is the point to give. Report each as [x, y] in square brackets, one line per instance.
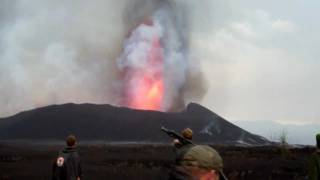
[253, 63]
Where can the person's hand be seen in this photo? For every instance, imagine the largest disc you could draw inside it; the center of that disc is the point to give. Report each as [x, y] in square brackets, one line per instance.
[176, 141]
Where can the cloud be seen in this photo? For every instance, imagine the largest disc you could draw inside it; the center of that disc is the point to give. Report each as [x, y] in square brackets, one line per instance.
[283, 26]
[255, 74]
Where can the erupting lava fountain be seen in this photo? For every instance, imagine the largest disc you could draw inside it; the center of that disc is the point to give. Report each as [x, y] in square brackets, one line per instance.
[153, 64]
[142, 68]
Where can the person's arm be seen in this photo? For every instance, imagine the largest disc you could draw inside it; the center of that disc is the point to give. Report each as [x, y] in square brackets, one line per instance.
[79, 170]
[55, 171]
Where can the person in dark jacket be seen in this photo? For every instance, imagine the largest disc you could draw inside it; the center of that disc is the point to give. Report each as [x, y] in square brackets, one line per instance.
[314, 164]
[68, 165]
[180, 148]
[187, 133]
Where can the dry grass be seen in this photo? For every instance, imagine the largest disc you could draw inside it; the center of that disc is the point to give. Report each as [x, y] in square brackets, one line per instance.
[136, 162]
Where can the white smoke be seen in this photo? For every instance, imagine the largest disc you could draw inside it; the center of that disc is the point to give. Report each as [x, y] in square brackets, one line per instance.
[137, 47]
[57, 52]
[176, 55]
[54, 52]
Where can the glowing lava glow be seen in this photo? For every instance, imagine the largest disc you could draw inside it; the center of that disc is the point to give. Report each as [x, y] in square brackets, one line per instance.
[142, 68]
[148, 96]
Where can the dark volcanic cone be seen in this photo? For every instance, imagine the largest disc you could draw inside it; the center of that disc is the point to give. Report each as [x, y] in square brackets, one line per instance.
[109, 123]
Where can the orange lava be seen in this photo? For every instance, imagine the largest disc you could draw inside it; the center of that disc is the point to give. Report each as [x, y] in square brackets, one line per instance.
[148, 95]
[148, 89]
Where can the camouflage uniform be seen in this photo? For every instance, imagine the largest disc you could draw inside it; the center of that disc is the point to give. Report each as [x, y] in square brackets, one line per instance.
[314, 164]
[180, 153]
[196, 158]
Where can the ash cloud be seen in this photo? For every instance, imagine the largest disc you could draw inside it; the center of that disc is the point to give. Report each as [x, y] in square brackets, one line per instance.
[54, 52]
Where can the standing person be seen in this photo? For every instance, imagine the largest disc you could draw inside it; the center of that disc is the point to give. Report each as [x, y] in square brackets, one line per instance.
[199, 162]
[314, 165]
[180, 148]
[67, 165]
[187, 133]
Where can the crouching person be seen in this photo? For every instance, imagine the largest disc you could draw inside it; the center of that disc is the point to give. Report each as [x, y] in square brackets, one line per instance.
[199, 162]
[67, 165]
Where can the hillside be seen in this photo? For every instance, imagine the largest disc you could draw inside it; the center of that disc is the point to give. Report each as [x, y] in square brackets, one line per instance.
[114, 124]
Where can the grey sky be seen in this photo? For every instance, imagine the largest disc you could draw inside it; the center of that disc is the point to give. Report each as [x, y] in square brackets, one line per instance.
[263, 64]
[260, 58]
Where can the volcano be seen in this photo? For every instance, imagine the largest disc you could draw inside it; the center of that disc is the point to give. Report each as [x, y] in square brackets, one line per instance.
[90, 122]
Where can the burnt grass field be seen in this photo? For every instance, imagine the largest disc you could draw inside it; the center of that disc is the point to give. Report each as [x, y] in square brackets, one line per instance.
[147, 161]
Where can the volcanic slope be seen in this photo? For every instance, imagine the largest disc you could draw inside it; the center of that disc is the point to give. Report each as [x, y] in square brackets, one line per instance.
[118, 124]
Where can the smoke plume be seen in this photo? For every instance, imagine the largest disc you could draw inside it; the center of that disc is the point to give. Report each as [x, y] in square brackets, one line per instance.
[156, 57]
[54, 52]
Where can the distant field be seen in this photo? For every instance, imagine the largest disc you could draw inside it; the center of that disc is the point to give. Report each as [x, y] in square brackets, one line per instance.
[147, 161]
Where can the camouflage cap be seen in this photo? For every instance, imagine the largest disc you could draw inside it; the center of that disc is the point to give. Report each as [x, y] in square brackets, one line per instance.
[187, 133]
[204, 157]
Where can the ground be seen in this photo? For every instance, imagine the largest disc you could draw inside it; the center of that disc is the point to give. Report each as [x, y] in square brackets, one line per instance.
[151, 161]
